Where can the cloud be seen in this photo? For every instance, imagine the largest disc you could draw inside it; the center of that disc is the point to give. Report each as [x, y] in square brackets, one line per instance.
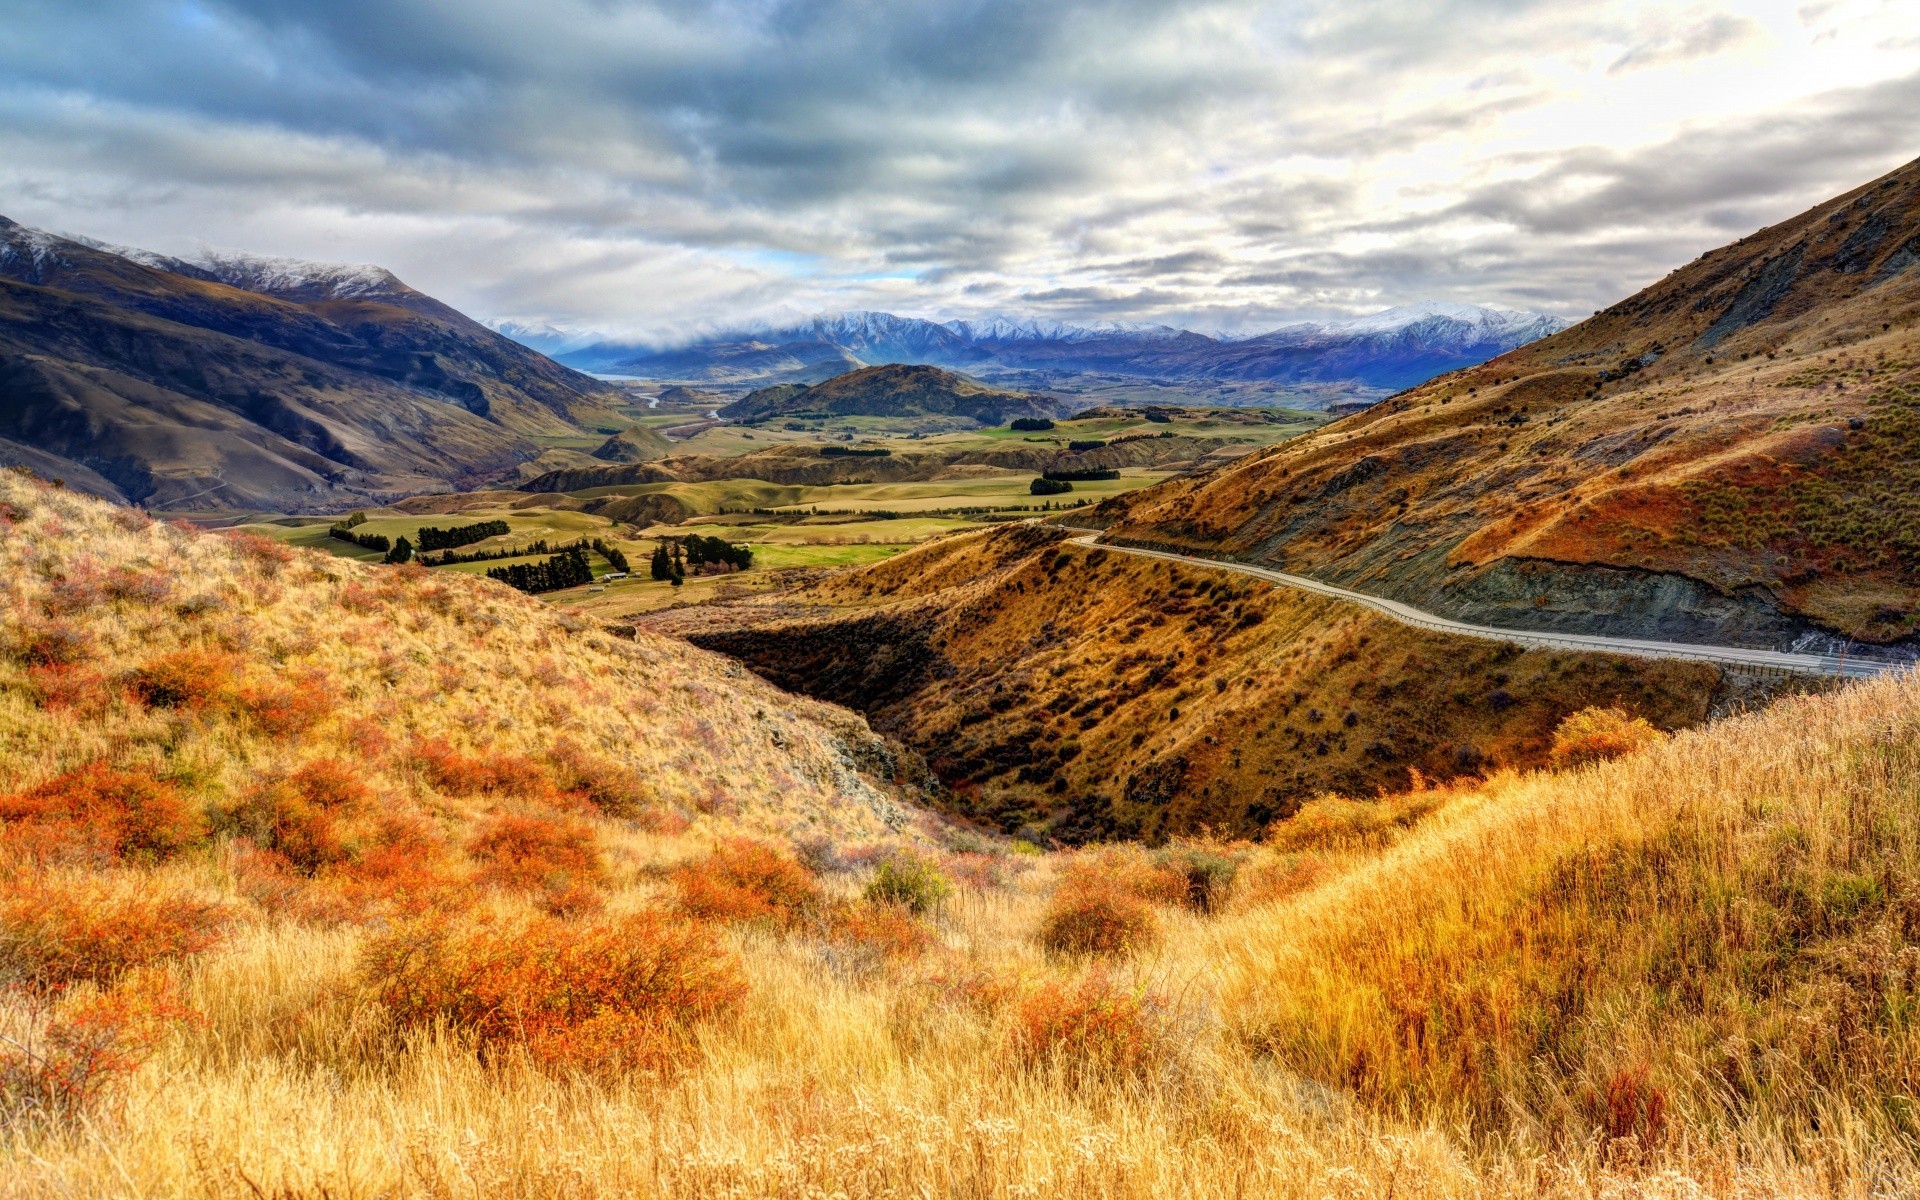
[654, 166]
[1714, 35]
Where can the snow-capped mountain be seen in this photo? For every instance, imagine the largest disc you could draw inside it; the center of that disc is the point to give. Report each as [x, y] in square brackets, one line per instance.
[1387, 350]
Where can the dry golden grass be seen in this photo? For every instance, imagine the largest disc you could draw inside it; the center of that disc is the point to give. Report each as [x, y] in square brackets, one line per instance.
[1267, 1048]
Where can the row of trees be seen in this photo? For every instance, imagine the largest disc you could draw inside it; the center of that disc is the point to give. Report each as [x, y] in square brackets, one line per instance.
[343, 531]
[434, 538]
[704, 555]
[564, 570]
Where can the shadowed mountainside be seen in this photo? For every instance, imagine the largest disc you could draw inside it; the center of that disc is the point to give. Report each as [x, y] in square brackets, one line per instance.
[177, 384]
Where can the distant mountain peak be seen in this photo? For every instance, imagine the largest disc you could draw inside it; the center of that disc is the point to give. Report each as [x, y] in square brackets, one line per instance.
[282, 276]
[1366, 356]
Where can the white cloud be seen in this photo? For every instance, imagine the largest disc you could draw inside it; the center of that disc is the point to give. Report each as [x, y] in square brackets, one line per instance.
[653, 166]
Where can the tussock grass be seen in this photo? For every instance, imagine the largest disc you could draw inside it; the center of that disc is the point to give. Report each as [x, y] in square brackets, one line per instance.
[1681, 973]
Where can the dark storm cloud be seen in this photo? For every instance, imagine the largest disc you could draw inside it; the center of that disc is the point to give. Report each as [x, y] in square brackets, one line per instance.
[670, 163]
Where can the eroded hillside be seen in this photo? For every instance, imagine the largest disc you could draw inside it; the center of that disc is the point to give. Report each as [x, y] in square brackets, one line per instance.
[1084, 694]
[1727, 456]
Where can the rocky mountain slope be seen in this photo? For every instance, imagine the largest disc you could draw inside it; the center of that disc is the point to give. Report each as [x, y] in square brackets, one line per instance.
[1731, 455]
[1082, 695]
[240, 382]
[892, 391]
[1392, 349]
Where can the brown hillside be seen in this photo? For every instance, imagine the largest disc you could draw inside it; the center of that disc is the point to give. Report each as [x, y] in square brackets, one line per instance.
[180, 390]
[1731, 455]
[893, 390]
[1085, 694]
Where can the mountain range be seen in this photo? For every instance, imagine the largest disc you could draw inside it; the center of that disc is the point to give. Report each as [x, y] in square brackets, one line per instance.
[235, 381]
[1386, 351]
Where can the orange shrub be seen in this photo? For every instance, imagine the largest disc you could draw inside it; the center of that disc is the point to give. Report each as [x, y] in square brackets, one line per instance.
[53, 936]
[331, 784]
[1094, 919]
[98, 812]
[285, 711]
[888, 931]
[529, 852]
[186, 679]
[743, 880]
[79, 690]
[1090, 1026]
[278, 818]
[88, 1047]
[460, 774]
[367, 739]
[1597, 734]
[617, 994]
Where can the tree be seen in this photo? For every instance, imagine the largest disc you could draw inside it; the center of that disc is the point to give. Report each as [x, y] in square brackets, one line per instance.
[662, 566]
[402, 551]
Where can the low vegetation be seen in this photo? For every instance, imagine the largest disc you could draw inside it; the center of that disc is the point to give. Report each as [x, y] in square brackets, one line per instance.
[1078, 694]
[524, 910]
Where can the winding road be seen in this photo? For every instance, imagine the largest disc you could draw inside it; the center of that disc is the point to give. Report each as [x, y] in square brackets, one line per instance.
[1778, 660]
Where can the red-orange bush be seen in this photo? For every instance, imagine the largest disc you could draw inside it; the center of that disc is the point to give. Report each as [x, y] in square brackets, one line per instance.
[1092, 919]
[1092, 1025]
[1597, 734]
[743, 880]
[535, 852]
[887, 930]
[87, 1048]
[54, 935]
[367, 739]
[286, 711]
[460, 774]
[618, 994]
[186, 679]
[98, 812]
[82, 691]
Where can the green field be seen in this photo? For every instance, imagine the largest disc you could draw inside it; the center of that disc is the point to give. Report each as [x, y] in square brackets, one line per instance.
[787, 526]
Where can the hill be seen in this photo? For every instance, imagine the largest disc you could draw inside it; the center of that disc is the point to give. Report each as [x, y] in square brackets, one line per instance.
[1725, 456]
[892, 391]
[635, 443]
[1364, 356]
[814, 464]
[259, 383]
[382, 883]
[1082, 695]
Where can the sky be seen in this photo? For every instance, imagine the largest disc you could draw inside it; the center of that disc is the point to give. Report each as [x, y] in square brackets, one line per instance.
[656, 169]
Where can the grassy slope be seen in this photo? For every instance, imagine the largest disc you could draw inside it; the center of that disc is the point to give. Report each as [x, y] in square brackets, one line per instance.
[1728, 912]
[1768, 443]
[1101, 695]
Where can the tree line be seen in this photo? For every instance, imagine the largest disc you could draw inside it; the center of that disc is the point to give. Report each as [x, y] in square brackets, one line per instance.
[434, 538]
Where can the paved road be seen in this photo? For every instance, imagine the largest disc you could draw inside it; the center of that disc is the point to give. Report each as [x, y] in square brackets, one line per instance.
[1779, 660]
